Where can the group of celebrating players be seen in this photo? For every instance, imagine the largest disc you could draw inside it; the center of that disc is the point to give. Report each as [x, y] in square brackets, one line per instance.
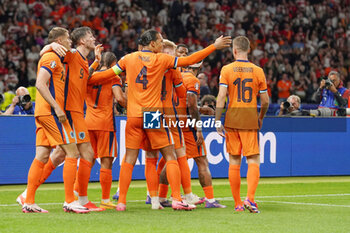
[160, 78]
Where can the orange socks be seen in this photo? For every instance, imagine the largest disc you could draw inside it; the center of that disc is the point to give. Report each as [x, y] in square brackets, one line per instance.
[253, 176]
[185, 174]
[69, 171]
[209, 192]
[84, 176]
[48, 168]
[76, 183]
[234, 177]
[124, 181]
[163, 190]
[34, 175]
[106, 182]
[152, 177]
[161, 165]
[174, 178]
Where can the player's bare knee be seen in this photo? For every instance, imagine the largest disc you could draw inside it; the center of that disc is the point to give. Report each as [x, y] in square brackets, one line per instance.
[131, 156]
[86, 151]
[180, 152]
[168, 152]
[57, 160]
[253, 159]
[69, 150]
[202, 162]
[106, 163]
[152, 154]
[42, 157]
[42, 153]
[235, 159]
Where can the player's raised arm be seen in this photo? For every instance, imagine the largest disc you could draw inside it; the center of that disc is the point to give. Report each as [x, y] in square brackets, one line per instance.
[220, 43]
[59, 49]
[107, 60]
[102, 76]
[96, 63]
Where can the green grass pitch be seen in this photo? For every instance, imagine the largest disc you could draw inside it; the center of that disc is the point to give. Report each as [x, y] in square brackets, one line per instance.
[302, 204]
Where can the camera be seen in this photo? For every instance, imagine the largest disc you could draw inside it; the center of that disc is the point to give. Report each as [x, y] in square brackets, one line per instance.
[23, 100]
[328, 82]
[211, 106]
[343, 111]
[286, 105]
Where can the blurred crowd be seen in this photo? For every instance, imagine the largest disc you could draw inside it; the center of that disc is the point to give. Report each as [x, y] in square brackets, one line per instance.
[296, 42]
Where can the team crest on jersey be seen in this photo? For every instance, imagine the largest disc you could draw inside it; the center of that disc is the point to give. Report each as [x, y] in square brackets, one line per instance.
[72, 134]
[53, 64]
[81, 135]
[196, 86]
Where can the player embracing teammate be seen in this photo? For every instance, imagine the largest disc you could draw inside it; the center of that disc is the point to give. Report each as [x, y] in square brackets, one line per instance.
[144, 73]
[60, 121]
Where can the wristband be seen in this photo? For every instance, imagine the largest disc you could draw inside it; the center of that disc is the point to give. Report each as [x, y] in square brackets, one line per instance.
[95, 64]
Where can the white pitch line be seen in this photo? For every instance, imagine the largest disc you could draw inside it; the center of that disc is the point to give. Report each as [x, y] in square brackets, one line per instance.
[291, 196]
[230, 199]
[311, 195]
[303, 203]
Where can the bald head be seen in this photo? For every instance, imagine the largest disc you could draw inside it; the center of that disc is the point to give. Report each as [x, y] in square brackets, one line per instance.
[22, 91]
[203, 79]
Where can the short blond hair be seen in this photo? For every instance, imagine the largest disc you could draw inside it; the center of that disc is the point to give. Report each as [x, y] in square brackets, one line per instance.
[55, 33]
[297, 98]
[168, 44]
[241, 43]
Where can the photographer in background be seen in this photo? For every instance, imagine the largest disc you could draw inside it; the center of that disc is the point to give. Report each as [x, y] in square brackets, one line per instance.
[208, 103]
[291, 107]
[21, 103]
[332, 94]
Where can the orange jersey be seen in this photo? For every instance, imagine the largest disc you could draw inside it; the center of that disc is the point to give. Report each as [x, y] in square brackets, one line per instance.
[77, 70]
[144, 74]
[52, 63]
[244, 82]
[172, 80]
[99, 112]
[192, 85]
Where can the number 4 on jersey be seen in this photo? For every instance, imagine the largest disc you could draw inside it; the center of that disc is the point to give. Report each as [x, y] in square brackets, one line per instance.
[142, 77]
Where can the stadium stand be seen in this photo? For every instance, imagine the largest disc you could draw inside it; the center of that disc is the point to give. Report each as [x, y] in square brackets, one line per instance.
[302, 40]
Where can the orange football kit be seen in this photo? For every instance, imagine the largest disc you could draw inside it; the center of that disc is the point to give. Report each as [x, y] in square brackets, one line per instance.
[192, 85]
[100, 115]
[50, 132]
[244, 81]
